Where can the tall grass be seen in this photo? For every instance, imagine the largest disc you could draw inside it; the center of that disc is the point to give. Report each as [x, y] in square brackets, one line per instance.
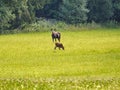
[26, 58]
[44, 25]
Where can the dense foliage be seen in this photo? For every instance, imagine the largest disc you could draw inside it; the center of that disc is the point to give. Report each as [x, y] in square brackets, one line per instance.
[70, 11]
[116, 7]
[17, 13]
[100, 10]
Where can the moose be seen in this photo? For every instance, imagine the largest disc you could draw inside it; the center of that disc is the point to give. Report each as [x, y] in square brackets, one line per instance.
[55, 35]
[59, 45]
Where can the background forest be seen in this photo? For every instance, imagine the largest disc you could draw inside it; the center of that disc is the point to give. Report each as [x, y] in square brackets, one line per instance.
[17, 14]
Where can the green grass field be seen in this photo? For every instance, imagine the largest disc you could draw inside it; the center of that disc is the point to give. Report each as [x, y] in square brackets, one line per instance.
[90, 61]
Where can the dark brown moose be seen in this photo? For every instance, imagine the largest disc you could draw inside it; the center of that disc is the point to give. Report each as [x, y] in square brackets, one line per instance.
[59, 45]
[55, 35]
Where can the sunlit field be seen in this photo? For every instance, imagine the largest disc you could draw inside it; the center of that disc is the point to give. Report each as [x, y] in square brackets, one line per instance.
[90, 61]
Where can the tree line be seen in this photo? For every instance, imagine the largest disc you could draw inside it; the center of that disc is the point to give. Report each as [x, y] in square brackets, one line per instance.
[15, 13]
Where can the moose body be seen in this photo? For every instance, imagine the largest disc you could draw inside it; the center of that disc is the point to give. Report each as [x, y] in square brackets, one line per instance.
[55, 35]
[59, 45]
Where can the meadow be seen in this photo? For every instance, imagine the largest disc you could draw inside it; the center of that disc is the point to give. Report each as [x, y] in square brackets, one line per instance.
[90, 61]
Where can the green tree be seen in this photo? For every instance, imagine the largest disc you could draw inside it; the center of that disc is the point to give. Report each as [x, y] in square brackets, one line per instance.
[16, 13]
[6, 16]
[100, 10]
[22, 13]
[49, 10]
[70, 11]
[73, 11]
[116, 7]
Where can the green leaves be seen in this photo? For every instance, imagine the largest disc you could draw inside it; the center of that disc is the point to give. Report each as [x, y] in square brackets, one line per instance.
[6, 16]
[116, 8]
[100, 10]
[15, 13]
[70, 11]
